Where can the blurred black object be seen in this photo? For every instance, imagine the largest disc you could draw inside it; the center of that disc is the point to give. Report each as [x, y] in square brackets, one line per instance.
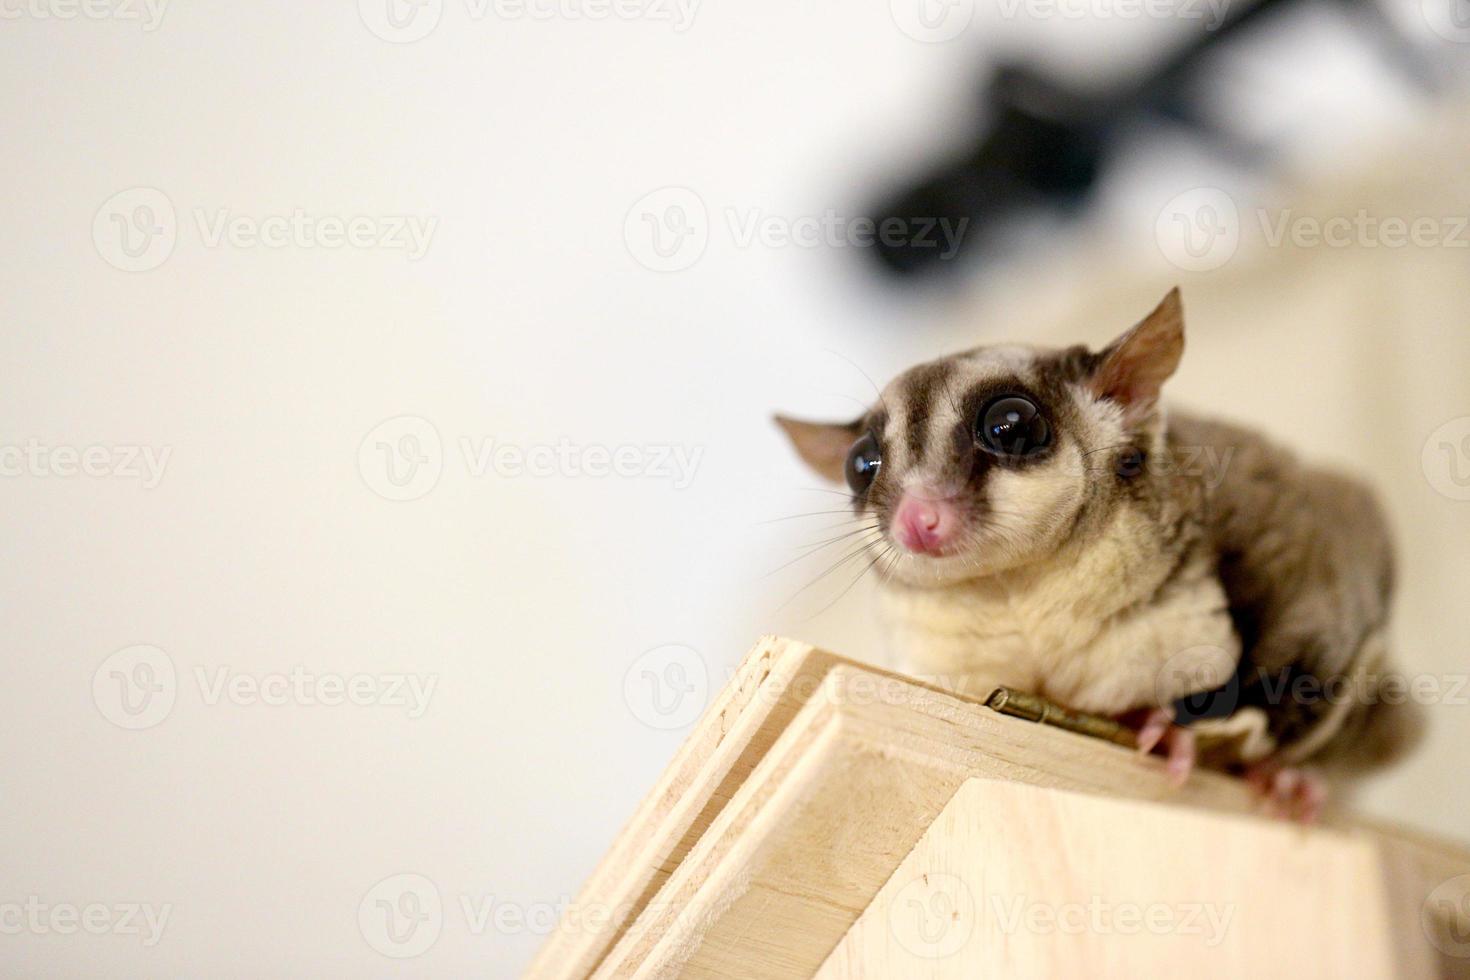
[1047, 144]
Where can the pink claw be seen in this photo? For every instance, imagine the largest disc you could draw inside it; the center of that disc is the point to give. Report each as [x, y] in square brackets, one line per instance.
[1182, 755]
[1159, 729]
[1155, 727]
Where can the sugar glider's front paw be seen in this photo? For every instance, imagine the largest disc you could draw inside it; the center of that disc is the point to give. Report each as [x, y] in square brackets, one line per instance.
[1159, 731]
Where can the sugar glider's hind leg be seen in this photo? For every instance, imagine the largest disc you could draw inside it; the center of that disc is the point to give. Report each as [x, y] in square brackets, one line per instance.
[1292, 793]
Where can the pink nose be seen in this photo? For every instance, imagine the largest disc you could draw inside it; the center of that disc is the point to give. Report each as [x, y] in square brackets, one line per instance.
[924, 524]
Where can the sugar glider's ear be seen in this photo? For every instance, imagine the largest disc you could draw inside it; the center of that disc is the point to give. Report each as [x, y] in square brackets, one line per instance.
[822, 445]
[1133, 368]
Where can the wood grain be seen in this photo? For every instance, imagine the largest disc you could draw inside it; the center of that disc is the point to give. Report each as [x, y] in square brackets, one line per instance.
[772, 682]
[1023, 881]
[844, 793]
[811, 779]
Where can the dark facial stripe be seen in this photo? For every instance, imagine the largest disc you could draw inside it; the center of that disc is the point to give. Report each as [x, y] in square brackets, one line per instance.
[876, 422]
[921, 386]
[1075, 364]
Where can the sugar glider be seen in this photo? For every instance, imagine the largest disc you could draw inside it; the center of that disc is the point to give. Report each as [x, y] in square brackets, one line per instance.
[1039, 521]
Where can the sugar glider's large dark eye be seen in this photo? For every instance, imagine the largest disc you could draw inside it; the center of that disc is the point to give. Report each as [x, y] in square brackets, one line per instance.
[1012, 426]
[863, 461]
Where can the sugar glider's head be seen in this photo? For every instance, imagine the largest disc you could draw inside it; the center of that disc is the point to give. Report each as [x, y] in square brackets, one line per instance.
[991, 459]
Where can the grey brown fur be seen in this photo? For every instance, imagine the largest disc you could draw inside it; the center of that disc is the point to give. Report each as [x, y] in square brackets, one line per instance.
[1138, 559]
[1306, 560]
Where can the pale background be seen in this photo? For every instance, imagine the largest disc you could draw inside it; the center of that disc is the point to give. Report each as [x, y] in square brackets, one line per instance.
[530, 320]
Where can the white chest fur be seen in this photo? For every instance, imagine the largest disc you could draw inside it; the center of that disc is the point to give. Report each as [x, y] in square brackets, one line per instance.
[1105, 629]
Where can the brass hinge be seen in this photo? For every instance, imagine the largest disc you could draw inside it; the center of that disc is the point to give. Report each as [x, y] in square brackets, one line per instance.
[1033, 707]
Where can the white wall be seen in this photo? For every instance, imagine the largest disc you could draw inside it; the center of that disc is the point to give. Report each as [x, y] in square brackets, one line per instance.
[261, 371]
